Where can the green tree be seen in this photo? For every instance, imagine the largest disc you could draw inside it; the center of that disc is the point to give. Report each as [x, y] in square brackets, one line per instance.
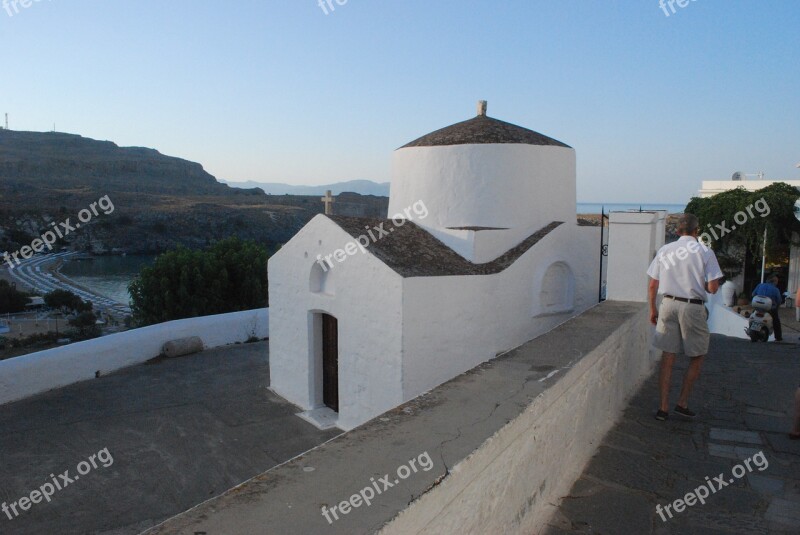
[85, 324]
[771, 208]
[229, 277]
[11, 300]
[66, 301]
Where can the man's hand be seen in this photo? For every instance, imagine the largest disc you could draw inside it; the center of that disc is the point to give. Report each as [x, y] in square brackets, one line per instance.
[712, 286]
[652, 293]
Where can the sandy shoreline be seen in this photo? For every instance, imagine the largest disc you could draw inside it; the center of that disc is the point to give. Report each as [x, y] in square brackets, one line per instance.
[53, 268]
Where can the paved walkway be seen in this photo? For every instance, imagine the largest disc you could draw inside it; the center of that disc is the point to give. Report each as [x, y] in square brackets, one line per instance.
[178, 432]
[744, 399]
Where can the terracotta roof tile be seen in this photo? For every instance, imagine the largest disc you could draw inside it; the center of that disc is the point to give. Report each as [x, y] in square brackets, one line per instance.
[483, 130]
[413, 252]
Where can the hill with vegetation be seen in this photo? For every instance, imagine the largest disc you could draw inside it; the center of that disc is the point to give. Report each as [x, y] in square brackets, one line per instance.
[159, 201]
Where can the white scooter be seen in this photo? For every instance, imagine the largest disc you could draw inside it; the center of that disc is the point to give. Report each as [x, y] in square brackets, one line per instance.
[759, 326]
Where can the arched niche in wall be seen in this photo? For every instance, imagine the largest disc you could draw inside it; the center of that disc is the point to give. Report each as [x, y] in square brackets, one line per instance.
[321, 279]
[555, 292]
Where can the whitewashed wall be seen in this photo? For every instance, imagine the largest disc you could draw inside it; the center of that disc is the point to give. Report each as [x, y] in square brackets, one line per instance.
[514, 482]
[491, 185]
[452, 324]
[401, 337]
[34, 373]
[366, 299]
[632, 243]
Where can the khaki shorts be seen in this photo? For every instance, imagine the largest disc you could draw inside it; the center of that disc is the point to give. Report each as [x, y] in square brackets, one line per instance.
[682, 328]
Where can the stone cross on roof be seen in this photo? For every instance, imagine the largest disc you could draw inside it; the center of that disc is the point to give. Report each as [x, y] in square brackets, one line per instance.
[328, 200]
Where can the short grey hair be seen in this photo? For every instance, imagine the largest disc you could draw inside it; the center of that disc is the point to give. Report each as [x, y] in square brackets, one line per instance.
[687, 224]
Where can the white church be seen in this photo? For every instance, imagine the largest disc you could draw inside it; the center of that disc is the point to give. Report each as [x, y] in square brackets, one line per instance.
[495, 259]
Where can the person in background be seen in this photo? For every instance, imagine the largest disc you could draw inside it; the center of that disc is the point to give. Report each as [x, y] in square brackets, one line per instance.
[770, 289]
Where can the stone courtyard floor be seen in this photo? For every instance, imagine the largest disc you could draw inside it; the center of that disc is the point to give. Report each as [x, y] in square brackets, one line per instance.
[744, 400]
[185, 430]
[179, 431]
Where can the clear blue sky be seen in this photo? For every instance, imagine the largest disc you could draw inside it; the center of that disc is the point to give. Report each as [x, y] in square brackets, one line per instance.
[276, 90]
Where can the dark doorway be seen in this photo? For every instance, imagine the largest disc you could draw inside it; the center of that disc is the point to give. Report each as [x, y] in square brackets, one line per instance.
[330, 362]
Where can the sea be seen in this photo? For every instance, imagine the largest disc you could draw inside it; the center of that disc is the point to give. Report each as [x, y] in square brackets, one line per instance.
[111, 275]
[595, 208]
[107, 275]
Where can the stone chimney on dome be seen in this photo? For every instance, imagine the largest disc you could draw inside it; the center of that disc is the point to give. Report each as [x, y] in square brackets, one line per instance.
[482, 105]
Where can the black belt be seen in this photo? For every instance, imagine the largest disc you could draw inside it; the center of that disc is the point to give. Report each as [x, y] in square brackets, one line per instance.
[692, 301]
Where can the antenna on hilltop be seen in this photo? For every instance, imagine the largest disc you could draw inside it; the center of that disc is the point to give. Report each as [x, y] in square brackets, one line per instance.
[6, 121]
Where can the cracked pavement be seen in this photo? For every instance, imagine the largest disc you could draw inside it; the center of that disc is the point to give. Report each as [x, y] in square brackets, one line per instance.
[179, 431]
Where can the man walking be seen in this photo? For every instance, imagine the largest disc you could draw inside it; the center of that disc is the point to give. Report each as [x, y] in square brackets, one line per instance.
[682, 271]
[770, 289]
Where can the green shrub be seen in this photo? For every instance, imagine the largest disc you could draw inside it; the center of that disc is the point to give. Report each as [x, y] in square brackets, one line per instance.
[229, 277]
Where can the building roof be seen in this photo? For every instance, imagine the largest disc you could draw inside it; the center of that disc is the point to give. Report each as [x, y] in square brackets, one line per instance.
[483, 129]
[411, 251]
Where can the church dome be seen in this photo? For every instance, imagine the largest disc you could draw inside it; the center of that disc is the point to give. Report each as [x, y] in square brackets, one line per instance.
[484, 172]
[482, 130]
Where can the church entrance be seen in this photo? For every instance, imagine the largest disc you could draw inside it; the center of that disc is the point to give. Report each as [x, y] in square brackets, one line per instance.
[330, 362]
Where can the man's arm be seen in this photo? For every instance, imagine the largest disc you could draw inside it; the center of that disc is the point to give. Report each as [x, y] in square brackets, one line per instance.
[652, 292]
[713, 273]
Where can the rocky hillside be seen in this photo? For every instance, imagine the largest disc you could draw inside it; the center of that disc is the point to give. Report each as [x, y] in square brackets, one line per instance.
[158, 201]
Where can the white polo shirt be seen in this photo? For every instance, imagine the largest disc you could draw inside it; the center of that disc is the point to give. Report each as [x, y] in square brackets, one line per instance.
[682, 268]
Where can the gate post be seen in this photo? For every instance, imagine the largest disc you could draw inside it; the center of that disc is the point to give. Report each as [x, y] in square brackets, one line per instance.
[634, 238]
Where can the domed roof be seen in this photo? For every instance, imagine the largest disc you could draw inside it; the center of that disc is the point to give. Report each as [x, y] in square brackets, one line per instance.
[483, 130]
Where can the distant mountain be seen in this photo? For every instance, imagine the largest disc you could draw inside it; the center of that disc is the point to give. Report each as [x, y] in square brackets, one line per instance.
[159, 201]
[53, 159]
[362, 187]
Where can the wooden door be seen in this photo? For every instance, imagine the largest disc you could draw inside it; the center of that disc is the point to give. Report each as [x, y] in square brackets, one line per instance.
[330, 362]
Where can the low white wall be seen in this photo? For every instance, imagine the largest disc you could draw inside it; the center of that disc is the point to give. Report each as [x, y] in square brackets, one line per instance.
[723, 320]
[34, 373]
[515, 480]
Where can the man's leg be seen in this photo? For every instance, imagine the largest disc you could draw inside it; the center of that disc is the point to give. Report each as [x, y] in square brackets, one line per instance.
[776, 325]
[692, 373]
[667, 360]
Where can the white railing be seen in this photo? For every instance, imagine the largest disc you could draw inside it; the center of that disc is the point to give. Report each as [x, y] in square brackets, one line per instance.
[38, 372]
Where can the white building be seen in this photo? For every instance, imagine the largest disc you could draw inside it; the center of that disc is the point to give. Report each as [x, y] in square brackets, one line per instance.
[483, 254]
[709, 188]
